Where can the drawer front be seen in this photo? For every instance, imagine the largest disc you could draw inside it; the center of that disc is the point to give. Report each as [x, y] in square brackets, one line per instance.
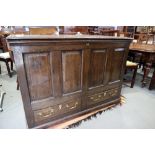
[56, 110]
[102, 96]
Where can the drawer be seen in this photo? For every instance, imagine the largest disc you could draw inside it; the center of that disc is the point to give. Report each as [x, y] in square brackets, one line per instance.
[102, 96]
[56, 110]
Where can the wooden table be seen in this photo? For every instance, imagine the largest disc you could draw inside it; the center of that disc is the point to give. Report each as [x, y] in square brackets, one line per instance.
[148, 50]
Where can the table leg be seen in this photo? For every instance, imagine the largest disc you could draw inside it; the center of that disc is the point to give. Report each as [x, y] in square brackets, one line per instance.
[147, 69]
[152, 83]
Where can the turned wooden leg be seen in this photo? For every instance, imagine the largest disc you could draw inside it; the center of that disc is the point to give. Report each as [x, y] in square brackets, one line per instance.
[11, 65]
[152, 83]
[8, 68]
[125, 72]
[134, 77]
[17, 84]
[147, 69]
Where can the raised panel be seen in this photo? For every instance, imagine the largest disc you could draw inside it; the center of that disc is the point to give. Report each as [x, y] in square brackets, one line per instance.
[38, 72]
[97, 67]
[93, 99]
[72, 71]
[64, 108]
[117, 56]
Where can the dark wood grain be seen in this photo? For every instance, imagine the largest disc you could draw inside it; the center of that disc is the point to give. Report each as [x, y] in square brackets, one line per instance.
[38, 72]
[72, 64]
[117, 56]
[64, 76]
[97, 64]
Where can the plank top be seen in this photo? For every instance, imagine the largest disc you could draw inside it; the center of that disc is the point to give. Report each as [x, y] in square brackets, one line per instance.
[78, 36]
[142, 47]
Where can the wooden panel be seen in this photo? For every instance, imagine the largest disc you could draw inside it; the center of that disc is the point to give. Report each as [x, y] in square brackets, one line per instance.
[38, 71]
[97, 67]
[72, 70]
[59, 109]
[117, 56]
[92, 99]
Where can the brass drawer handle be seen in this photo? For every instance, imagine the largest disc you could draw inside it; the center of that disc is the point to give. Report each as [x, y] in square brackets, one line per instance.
[73, 107]
[91, 98]
[40, 114]
[60, 106]
[47, 115]
[99, 96]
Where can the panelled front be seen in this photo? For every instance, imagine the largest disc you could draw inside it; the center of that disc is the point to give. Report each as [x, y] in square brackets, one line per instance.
[105, 72]
[65, 78]
[54, 79]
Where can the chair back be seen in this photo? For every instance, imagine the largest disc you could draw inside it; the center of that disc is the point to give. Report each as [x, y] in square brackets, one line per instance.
[143, 38]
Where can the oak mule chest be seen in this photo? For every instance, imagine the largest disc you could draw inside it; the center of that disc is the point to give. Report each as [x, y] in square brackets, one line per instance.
[64, 76]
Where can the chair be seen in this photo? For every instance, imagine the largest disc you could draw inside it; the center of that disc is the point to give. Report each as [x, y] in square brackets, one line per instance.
[5, 57]
[139, 57]
[132, 66]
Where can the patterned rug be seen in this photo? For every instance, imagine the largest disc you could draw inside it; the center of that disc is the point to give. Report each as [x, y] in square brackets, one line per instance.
[78, 120]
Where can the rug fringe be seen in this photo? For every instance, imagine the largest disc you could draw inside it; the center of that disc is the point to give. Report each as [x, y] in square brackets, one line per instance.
[77, 121]
[94, 115]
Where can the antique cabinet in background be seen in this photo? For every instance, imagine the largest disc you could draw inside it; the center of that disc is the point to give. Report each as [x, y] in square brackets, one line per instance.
[65, 76]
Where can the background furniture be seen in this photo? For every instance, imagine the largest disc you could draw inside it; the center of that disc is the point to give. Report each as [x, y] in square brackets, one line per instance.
[148, 52]
[110, 32]
[42, 30]
[141, 38]
[126, 31]
[132, 66]
[74, 29]
[5, 56]
[62, 76]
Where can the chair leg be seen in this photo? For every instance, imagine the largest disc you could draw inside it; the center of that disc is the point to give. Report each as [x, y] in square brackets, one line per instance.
[8, 68]
[125, 72]
[17, 84]
[11, 65]
[134, 77]
[0, 69]
[152, 83]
